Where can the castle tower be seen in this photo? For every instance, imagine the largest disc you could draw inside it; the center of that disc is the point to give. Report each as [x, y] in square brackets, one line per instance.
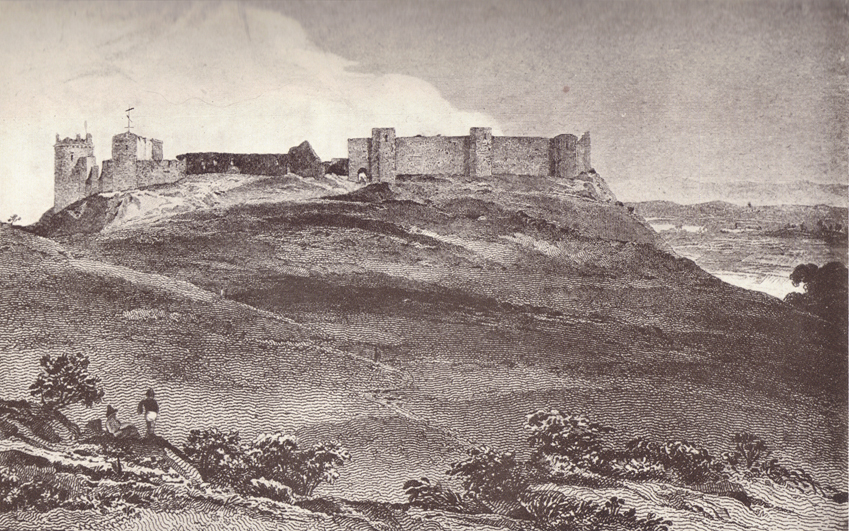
[563, 156]
[480, 152]
[382, 154]
[125, 153]
[73, 165]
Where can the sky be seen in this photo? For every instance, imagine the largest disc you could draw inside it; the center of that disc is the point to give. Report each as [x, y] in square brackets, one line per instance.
[671, 91]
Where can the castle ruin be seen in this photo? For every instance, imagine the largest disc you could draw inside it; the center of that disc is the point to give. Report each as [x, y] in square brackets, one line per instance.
[384, 156]
[136, 162]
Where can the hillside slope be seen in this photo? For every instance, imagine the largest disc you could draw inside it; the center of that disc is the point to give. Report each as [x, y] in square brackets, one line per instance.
[498, 298]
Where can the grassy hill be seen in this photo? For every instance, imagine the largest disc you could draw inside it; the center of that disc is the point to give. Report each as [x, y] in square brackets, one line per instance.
[429, 314]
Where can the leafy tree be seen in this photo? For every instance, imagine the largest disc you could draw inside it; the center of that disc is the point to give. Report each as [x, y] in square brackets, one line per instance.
[65, 380]
[826, 291]
[14, 218]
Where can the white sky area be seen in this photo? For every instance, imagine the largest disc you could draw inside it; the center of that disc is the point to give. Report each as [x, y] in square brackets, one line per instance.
[231, 78]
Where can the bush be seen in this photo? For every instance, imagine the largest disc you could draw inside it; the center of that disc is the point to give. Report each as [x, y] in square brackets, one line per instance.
[685, 461]
[572, 438]
[277, 457]
[422, 493]
[65, 380]
[553, 510]
[221, 458]
[750, 452]
[41, 493]
[490, 476]
[642, 468]
[267, 488]
[218, 456]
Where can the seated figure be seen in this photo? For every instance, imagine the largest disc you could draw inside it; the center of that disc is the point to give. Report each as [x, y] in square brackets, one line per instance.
[117, 428]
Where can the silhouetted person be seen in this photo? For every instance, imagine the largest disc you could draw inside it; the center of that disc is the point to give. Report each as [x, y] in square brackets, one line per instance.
[150, 408]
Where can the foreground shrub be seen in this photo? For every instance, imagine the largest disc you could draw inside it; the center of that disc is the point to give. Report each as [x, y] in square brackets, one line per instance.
[422, 493]
[277, 457]
[218, 456]
[552, 510]
[223, 459]
[555, 510]
[267, 488]
[686, 462]
[568, 440]
[491, 475]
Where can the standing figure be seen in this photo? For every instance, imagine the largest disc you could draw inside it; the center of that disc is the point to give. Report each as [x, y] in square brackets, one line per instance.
[150, 408]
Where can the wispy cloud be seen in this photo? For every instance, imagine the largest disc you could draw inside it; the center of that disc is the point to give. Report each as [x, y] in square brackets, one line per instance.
[200, 76]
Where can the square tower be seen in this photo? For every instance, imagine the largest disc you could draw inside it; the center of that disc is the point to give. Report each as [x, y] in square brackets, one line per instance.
[382, 154]
[480, 152]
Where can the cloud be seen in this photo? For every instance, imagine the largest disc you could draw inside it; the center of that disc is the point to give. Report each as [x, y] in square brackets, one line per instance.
[202, 77]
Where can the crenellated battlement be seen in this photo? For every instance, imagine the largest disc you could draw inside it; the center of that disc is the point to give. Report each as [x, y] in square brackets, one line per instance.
[79, 141]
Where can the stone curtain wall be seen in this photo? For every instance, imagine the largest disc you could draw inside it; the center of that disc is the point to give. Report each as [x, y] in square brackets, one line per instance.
[521, 155]
[151, 172]
[478, 155]
[441, 155]
[254, 164]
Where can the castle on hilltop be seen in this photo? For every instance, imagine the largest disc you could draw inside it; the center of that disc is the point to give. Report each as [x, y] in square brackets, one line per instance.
[136, 162]
[384, 156]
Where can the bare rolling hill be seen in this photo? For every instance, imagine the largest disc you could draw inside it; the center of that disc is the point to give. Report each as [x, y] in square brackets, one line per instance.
[458, 306]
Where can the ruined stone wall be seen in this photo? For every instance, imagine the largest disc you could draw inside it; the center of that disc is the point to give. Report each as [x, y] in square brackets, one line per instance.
[151, 172]
[478, 155]
[144, 148]
[358, 149]
[249, 163]
[88, 175]
[521, 155]
[440, 155]
[106, 182]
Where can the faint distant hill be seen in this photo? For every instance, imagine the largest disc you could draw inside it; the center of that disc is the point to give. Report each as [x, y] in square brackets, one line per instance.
[780, 193]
